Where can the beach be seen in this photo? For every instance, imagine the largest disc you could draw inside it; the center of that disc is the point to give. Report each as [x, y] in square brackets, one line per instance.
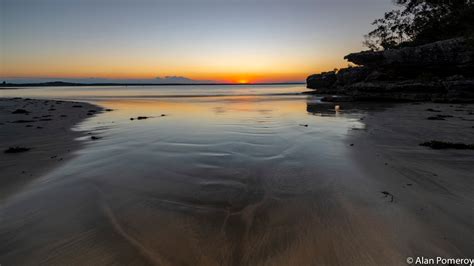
[44, 127]
[235, 180]
[236, 133]
[432, 214]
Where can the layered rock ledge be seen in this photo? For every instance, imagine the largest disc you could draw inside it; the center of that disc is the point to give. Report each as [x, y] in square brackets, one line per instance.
[441, 71]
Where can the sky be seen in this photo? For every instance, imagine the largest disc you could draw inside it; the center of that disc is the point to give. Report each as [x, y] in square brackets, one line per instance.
[217, 40]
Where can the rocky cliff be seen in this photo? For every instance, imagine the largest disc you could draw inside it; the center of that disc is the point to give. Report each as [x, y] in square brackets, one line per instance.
[440, 71]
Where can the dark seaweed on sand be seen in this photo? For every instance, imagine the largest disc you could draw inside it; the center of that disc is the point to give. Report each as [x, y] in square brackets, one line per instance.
[388, 194]
[439, 117]
[23, 121]
[440, 145]
[16, 149]
[20, 111]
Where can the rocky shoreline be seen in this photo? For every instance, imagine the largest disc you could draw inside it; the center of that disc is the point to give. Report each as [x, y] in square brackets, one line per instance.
[442, 71]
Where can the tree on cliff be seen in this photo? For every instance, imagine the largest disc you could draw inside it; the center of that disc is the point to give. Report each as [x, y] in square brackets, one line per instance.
[417, 22]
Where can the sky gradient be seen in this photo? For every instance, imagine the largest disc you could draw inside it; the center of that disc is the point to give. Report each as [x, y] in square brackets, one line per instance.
[225, 41]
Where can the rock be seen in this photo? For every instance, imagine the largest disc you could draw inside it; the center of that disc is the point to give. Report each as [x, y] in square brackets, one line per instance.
[339, 99]
[16, 149]
[23, 121]
[461, 90]
[140, 118]
[455, 53]
[388, 194]
[410, 90]
[321, 81]
[20, 111]
[439, 72]
[435, 118]
[366, 58]
[438, 145]
[352, 75]
[377, 76]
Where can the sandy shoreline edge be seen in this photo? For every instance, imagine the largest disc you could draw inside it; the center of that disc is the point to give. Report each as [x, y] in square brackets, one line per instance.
[45, 128]
[432, 211]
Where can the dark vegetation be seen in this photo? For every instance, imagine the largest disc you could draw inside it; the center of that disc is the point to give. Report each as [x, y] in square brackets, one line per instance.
[418, 22]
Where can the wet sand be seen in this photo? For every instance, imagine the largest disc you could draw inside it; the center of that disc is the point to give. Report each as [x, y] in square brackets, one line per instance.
[198, 188]
[45, 129]
[433, 209]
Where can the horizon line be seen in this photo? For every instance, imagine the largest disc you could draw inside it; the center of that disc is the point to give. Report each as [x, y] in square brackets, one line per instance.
[74, 84]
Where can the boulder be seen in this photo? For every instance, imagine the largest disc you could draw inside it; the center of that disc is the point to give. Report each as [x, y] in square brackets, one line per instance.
[321, 81]
[459, 90]
[352, 75]
[412, 90]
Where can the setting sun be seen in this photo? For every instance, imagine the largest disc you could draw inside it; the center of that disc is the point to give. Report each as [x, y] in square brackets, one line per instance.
[236, 132]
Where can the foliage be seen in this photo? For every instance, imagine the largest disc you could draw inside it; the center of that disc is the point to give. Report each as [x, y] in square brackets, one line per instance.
[417, 22]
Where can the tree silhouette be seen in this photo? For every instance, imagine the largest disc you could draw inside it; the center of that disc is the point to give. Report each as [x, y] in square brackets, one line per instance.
[417, 22]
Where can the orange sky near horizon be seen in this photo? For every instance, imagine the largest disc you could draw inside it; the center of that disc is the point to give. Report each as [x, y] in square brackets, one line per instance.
[236, 77]
[219, 41]
[252, 68]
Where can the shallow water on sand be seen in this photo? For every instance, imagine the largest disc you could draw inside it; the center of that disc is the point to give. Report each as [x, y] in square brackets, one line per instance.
[231, 178]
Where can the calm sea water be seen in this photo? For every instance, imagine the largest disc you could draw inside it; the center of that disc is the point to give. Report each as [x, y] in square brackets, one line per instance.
[225, 168]
[107, 92]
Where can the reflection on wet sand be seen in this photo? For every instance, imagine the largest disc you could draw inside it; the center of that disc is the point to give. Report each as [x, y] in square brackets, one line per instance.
[217, 181]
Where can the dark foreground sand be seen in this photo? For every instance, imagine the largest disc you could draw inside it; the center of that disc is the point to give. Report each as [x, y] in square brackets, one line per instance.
[272, 217]
[45, 130]
[432, 213]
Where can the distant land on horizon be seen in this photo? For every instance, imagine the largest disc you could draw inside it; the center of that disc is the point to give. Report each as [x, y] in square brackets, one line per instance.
[62, 83]
[168, 80]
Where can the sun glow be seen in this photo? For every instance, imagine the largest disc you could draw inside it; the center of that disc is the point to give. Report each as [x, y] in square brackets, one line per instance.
[242, 81]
